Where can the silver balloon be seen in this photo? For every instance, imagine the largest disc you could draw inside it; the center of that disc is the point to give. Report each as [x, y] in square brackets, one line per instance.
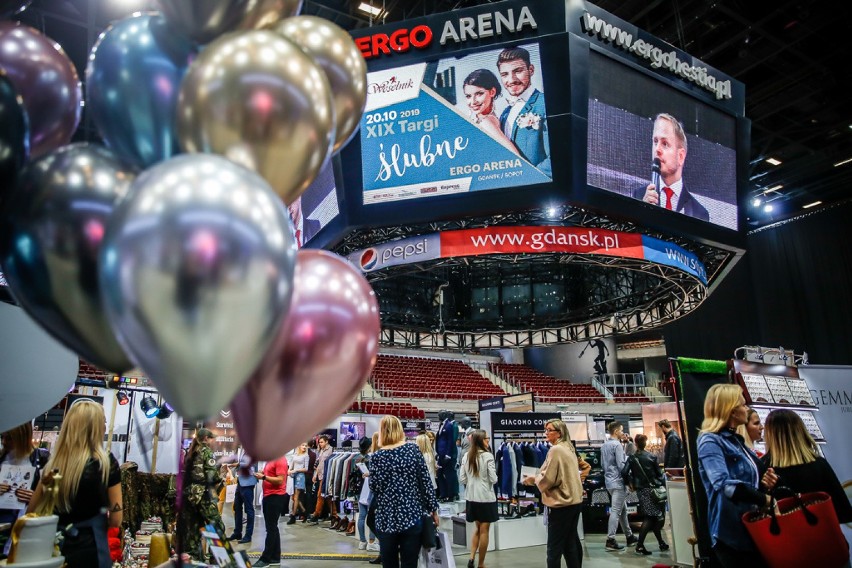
[259, 100]
[58, 215]
[335, 52]
[263, 13]
[204, 20]
[197, 271]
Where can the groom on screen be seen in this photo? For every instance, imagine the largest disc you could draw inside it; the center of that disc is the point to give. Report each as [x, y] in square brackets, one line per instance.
[524, 120]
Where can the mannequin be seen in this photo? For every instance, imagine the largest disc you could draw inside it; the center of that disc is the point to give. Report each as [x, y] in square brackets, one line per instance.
[447, 453]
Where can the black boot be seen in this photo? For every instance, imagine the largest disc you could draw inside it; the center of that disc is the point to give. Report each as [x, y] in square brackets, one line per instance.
[292, 520]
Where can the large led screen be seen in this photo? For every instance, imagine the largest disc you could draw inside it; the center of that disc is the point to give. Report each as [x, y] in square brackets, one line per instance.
[456, 125]
[316, 207]
[643, 132]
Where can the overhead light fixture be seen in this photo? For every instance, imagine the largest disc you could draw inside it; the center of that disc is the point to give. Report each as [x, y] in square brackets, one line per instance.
[149, 406]
[756, 202]
[814, 204]
[122, 398]
[773, 161]
[768, 208]
[371, 10]
[165, 411]
[846, 161]
[551, 212]
[773, 188]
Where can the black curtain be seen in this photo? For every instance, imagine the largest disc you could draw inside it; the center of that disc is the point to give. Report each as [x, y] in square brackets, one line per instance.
[802, 273]
[791, 289]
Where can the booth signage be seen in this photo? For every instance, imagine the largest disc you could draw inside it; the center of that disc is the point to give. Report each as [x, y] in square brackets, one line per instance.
[520, 421]
[491, 403]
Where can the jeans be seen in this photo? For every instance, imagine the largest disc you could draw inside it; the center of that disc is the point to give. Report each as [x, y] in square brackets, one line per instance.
[362, 523]
[562, 538]
[244, 499]
[405, 544]
[273, 506]
[618, 513]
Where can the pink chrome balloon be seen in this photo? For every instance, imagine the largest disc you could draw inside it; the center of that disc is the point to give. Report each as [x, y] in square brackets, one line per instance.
[47, 82]
[322, 356]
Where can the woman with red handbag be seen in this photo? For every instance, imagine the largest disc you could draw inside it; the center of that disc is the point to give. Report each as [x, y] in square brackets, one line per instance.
[734, 479]
[792, 452]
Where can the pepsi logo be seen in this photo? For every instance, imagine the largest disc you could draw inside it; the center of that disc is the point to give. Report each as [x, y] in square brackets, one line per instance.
[369, 258]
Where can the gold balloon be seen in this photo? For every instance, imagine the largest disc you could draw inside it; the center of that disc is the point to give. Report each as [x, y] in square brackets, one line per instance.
[263, 13]
[336, 53]
[257, 99]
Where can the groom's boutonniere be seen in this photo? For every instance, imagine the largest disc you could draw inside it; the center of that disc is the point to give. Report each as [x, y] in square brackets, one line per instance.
[529, 120]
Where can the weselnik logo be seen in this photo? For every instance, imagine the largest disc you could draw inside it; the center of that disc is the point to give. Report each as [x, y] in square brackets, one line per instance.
[369, 258]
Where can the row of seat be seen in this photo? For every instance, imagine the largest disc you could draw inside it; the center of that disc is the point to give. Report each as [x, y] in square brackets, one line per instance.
[404, 410]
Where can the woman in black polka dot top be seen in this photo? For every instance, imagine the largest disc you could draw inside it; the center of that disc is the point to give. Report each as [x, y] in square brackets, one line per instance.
[403, 492]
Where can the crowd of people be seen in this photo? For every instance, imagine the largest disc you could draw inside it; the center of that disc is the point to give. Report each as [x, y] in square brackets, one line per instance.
[394, 485]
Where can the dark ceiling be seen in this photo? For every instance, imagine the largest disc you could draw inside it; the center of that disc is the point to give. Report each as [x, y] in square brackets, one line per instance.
[793, 57]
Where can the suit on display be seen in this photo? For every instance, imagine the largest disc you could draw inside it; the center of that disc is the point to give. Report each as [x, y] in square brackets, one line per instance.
[447, 453]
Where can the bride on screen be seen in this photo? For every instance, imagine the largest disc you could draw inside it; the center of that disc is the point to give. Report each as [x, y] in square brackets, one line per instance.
[481, 87]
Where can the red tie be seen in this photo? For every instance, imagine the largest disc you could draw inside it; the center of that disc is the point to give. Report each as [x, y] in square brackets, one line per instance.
[299, 236]
[669, 192]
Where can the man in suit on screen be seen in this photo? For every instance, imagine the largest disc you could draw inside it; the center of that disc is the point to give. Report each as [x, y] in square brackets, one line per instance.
[669, 147]
[524, 120]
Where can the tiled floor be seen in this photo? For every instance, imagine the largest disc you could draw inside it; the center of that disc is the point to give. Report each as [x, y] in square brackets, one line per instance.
[313, 539]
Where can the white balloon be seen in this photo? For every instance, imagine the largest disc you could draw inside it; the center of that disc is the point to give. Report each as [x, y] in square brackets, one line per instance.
[35, 370]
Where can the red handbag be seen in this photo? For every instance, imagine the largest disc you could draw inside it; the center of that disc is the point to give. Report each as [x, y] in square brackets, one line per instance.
[805, 532]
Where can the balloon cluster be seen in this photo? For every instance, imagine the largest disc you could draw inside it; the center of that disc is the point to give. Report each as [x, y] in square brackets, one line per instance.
[171, 248]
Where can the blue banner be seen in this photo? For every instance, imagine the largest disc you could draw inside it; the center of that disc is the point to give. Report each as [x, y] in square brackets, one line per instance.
[457, 125]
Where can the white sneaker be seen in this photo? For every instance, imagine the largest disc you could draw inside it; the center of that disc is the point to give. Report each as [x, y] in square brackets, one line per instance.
[373, 546]
[362, 545]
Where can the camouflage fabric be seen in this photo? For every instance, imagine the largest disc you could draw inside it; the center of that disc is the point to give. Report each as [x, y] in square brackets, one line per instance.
[147, 495]
[200, 501]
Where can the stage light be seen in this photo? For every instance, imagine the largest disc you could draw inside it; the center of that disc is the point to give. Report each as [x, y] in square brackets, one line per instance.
[165, 411]
[149, 406]
[122, 398]
[756, 202]
[768, 208]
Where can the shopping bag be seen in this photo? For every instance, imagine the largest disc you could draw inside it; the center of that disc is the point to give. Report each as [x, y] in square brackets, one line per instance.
[439, 557]
[230, 492]
[805, 532]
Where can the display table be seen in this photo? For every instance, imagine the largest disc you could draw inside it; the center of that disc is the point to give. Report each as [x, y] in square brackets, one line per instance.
[519, 533]
[681, 522]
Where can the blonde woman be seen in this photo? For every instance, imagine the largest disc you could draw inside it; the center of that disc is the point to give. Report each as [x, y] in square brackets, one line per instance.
[752, 430]
[18, 449]
[90, 485]
[297, 472]
[428, 450]
[793, 454]
[560, 482]
[732, 475]
[478, 472]
[403, 493]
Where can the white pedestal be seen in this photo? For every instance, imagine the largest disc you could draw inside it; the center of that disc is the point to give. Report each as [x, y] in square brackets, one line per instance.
[460, 524]
[519, 533]
[681, 522]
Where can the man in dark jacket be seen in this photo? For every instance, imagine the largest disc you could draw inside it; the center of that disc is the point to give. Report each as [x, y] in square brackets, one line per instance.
[673, 455]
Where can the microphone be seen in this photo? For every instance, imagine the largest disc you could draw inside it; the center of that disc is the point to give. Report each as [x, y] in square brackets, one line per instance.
[656, 178]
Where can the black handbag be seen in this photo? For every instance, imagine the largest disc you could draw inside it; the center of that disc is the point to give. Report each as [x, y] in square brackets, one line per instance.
[659, 493]
[429, 533]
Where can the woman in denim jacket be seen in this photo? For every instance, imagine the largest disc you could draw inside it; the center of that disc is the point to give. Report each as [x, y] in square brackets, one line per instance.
[732, 475]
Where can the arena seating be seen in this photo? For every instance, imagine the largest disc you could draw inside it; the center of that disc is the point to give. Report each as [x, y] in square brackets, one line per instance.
[403, 410]
[423, 377]
[545, 387]
[631, 397]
